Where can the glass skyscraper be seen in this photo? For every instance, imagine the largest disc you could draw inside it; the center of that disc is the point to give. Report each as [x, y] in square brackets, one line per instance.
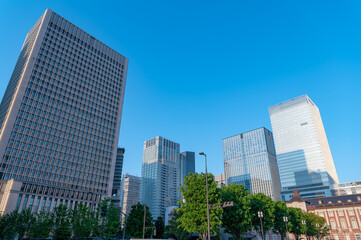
[118, 172]
[60, 119]
[250, 160]
[303, 154]
[160, 175]
[187, 161]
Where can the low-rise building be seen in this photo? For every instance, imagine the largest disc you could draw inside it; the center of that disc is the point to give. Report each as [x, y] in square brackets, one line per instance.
[342, 213]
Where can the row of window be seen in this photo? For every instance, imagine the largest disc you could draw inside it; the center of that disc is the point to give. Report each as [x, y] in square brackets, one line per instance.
[48, 204]
[86, 47]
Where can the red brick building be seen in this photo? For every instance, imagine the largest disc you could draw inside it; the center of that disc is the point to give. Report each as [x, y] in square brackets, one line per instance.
[342, 213]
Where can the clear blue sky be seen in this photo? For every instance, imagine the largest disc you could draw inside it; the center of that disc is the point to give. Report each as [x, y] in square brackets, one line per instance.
[200, 71]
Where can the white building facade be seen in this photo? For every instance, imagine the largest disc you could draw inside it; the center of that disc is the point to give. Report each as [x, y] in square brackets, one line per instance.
[129, 193]
[303, 154]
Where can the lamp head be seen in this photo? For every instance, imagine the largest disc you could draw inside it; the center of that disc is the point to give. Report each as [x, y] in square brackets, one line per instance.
[202, 153]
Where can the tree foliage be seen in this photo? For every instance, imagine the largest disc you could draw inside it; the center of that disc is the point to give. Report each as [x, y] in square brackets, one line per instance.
[42, 225]
[174, 229]
[135, 221]
[83, 221]
[25, 220]
[110, 223]
[7, 226]
[260, 202]
[62, 230]
[159, 226]
[279, 225]
[193, 209]
[295, 222]
[237, 219]
[316, 225]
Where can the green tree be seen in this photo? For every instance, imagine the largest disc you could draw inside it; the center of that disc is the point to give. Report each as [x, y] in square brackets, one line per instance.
[42, 225]
[159, 226]
[7, 226]
[311, 220]
[174, 229]
[83, 221]
[24, 222]
[260, 202]
[295, 222]
[279, 225]
[324, 230]
[237, 219]
[62, 228]
[316, 225]
[135, 221]
[194, 207]
[110, 223]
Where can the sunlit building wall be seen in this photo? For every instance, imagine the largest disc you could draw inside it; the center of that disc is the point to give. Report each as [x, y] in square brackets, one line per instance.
[303, 154]
[60, 119]
[250, 160]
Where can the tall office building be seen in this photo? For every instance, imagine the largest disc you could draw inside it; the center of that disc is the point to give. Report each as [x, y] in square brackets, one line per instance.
[60, 119]
[187, 161]
[160, 175]
[250, 160]
[118, 171]
[303, 154]
[129, 196]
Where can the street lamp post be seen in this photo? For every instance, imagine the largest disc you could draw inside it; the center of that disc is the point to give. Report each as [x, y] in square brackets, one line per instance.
[304, 224]
[318, 230]
[285, 219]
[260, 215]
[208, 225]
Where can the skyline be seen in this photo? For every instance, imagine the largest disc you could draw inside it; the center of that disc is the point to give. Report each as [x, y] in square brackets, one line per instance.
[178, 110]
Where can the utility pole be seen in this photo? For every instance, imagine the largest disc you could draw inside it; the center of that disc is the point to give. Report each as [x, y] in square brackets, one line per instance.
[145, 212]
[208, 224]
[260, 215]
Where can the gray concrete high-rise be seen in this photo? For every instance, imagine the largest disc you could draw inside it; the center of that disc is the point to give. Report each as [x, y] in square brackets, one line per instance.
[250, 160]
[60, 119]
[303, 154]
[160, 175]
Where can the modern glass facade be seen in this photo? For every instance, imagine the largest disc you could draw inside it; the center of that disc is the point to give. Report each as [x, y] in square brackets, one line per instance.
[303, 154]
[118, 171]
[60, 117]
[349, 188]
[187, 161]
[250, 160]
[160, 175]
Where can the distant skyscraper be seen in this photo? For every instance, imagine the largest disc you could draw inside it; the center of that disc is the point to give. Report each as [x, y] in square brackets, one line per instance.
[187, 161]
[160, 175]
[60, 119]
[118, 171]
[348, 188]
[303, 154]
[129, 193]
[250, 160]
[220, 179]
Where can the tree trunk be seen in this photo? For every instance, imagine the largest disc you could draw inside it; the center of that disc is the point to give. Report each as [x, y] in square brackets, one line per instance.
[204, 236]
